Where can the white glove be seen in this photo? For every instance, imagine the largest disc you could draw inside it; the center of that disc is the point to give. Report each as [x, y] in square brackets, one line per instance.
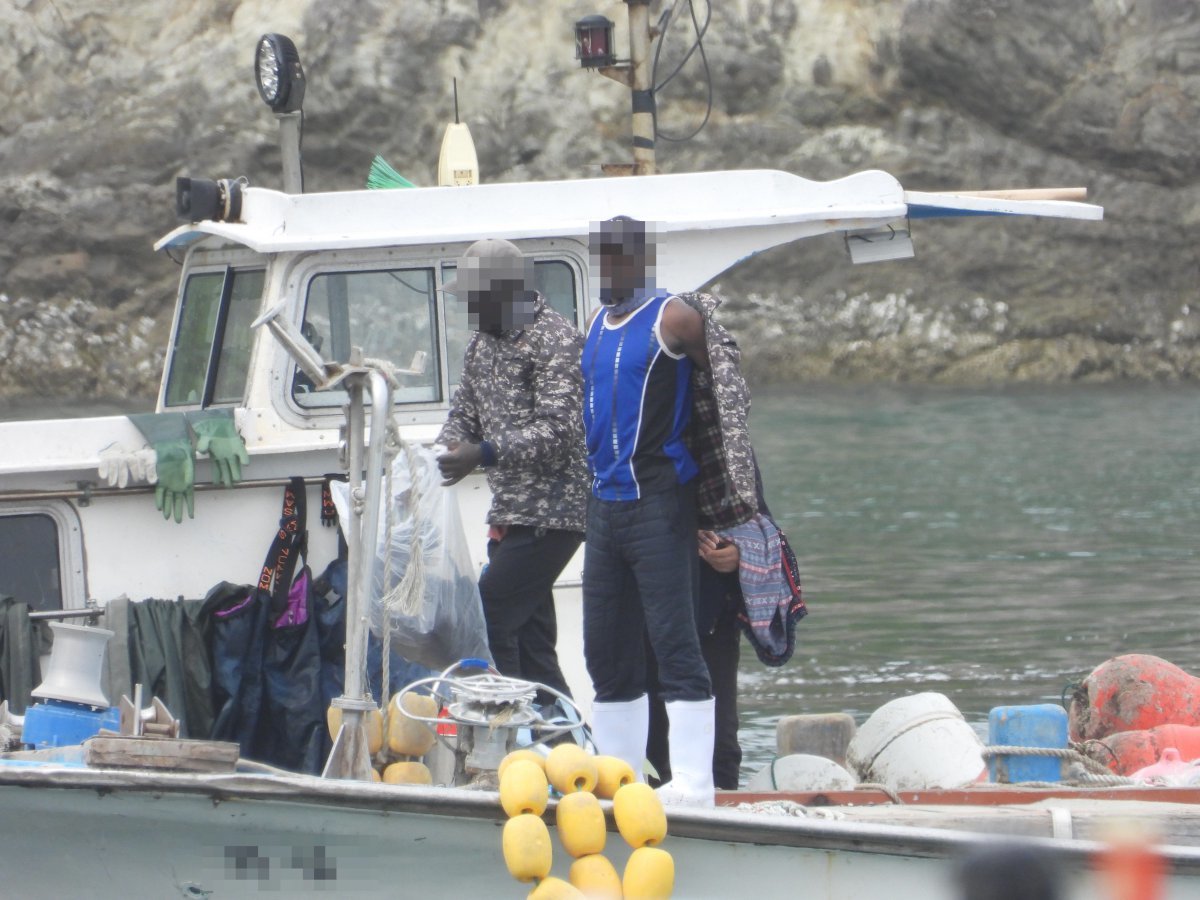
[118, 466]
[145, 465]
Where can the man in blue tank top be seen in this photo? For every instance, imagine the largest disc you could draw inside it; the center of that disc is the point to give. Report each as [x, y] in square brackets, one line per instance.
[640, 562]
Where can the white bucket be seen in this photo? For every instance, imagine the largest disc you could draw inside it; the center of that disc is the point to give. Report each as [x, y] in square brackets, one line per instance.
[801, 772]
[916, 743]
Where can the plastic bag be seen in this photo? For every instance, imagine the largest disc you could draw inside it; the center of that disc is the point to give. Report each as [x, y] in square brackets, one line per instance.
[447, 624]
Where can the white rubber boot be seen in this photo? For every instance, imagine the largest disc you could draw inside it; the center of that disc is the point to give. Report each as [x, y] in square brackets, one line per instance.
[691, 749]
[620, 729]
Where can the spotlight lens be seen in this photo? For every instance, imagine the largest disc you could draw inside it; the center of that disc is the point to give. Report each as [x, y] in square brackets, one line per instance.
[268, 71]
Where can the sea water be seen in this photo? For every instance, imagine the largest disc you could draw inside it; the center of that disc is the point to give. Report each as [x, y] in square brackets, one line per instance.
[994, 546]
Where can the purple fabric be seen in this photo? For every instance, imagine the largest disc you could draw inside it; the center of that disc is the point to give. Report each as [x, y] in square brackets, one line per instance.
[223, 613]
[766, 587]
[296, 611]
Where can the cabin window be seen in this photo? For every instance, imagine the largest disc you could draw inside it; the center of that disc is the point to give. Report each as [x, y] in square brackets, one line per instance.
[29, 561]
[391, 314]
[210, 357]
[555, 281]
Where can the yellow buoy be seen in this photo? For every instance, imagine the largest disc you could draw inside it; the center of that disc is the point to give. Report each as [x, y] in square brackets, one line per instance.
[649, 874]
[407, 773]
[612, 774]
[373, 721]
[526, 844]
[570, 768]
[556, 889]
[523, 788]
[639, 814]
[375, 776]
[532, 755]
[596, 877]
[580, 822]
[406, 736]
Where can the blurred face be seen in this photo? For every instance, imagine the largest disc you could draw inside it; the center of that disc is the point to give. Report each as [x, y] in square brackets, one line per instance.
[496, 294]
[622, 253]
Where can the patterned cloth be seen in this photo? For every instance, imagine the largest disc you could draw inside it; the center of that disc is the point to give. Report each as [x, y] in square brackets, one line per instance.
[770, 589]
[719, 435]
[522, 391]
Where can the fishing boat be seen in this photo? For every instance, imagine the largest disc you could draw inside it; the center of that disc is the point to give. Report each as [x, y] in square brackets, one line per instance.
[316, 321]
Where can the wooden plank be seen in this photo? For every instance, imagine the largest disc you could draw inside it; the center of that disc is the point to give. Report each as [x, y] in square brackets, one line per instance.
[1077, 194]
[984, 795]
[158, 753]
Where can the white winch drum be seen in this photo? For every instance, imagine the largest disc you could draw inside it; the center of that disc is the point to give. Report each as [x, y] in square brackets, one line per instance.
[76, 665]
[917, 743]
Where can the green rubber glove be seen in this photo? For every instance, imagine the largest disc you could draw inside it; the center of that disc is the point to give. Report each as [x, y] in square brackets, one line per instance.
[175, 462]
[216, 435]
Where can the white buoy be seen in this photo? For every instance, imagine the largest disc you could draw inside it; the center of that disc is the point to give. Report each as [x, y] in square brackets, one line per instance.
[916, 743]
[799, 772]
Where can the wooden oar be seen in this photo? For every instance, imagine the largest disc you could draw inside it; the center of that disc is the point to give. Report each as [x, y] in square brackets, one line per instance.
[1062, 193]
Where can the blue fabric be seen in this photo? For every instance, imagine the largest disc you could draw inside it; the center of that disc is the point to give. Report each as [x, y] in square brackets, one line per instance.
[640, 570]
[637, 402]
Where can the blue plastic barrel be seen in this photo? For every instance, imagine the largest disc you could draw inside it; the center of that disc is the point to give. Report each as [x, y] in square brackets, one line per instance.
[1042, 725]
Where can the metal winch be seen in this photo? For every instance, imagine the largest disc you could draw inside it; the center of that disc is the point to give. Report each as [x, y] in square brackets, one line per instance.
[492, 715]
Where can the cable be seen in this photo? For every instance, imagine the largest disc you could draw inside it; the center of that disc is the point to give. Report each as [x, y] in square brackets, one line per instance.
[698, 44]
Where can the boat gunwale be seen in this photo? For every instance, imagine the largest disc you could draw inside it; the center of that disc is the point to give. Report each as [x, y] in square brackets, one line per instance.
[725, 825]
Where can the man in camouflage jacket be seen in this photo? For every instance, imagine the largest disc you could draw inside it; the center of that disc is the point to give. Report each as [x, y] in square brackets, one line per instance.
[517, 414]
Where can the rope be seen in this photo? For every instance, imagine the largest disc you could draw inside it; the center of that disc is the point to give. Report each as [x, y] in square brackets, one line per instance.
[391, 448]
[1075, 754]
[1001, 750]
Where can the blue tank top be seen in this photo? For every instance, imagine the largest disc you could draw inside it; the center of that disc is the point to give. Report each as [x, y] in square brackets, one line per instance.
[636, 405]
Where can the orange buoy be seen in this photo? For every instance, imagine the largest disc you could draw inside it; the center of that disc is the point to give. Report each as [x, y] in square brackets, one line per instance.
[570, 768]
[1127, 752]
[596, 877]
[612, 774]
[556, 889]
[407, 773]
[1134, 692]
[580, 823]
[640, 817]
[526, 845]
[524, 789]
[649, 874]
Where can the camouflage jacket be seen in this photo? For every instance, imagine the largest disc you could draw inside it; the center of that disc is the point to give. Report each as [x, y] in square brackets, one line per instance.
[718, 435]
[522, 392]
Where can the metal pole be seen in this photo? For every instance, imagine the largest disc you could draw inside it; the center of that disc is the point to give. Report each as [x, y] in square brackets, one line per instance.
[289, 147]
[643, 94]
[350, 757]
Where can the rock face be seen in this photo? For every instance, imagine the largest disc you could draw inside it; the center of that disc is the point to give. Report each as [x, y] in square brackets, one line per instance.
[106, 103]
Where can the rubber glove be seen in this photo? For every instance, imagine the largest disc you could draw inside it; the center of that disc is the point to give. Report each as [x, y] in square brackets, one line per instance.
[175, 462]
[216, 435]
[119, 466]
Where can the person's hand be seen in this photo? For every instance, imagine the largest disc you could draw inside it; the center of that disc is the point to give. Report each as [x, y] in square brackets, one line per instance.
[719, 553]
[459, 461]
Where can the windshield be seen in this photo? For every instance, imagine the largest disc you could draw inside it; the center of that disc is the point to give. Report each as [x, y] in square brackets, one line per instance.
[390, 314]
[398, 315]
[210, 356]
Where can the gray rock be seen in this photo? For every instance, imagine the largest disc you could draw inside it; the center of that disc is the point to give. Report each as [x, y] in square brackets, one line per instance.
[106, 103]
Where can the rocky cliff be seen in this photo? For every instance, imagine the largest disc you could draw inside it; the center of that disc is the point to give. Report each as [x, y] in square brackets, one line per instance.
[106, 103]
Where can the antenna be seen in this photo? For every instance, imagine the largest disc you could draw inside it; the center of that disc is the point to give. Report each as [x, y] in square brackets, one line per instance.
[455, 101]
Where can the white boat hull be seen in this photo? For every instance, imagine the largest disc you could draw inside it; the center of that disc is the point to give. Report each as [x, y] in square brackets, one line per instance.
[121, 834]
